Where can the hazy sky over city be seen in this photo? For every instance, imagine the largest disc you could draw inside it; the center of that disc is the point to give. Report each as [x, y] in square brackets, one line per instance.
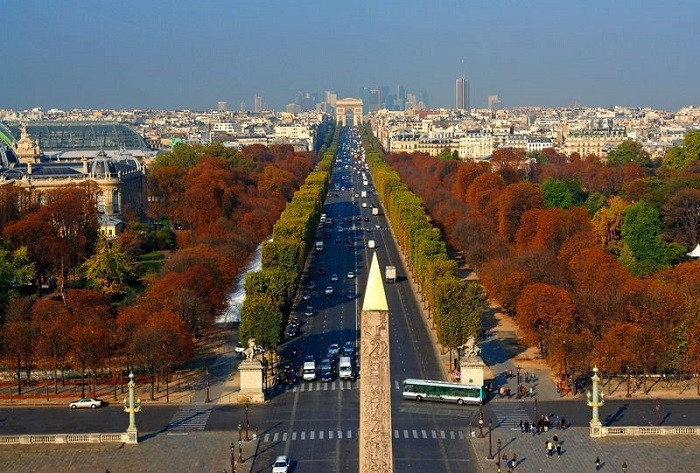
[189, 54]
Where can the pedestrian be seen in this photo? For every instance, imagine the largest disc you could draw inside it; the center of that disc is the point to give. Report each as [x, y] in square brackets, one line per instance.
[532, 428]
[597, 463]
[513, 461]
[508, 393]
[522, 427]
[527, 427]
[550, 447]
[557, 422]
[555, 439]
[532, 391]
[563, 424]
[558, 446]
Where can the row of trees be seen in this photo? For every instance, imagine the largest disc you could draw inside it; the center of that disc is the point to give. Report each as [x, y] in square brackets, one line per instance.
[456, 305]
[270, 291]
[587, 271]
[225, 203]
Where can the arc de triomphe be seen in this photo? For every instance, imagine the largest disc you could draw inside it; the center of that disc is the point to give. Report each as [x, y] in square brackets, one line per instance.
[342, 106]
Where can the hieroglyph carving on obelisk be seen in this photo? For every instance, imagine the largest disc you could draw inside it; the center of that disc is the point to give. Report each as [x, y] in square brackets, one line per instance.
[375, 387]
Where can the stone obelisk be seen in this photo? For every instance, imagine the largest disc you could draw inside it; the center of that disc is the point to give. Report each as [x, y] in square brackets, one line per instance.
[375, 386]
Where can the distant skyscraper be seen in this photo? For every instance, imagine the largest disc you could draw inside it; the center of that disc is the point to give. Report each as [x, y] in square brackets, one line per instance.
[293, 108]
[462, 93]
[411, 101]
[221, 106]
[258, 103]
[494, 102]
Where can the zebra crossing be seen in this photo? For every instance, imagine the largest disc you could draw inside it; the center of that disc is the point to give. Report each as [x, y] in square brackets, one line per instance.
[337, 385]
[189, 419]
[509, 414]
[337, 434]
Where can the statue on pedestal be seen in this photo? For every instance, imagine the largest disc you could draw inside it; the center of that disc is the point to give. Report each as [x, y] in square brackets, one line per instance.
[470, 349]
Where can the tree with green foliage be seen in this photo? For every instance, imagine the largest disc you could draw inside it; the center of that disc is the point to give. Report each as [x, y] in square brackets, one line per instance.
[445, 154]
[629, 151]
[261, 320]
[15, 269]
[679, 157]
[110, 269]
[556, 194]
[594, 203]
[641, 227]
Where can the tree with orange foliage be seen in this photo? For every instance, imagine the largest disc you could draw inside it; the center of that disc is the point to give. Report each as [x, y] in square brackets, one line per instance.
[545, 313]
[513, 202]
[484, 189]
[154, 340]
[19, 338]
[92, 321]
[53, 320]
[504, 281]
[510, 164]
[466, 173]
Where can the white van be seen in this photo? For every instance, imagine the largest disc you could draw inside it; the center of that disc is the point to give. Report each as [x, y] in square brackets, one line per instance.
[309, 371]
[370, 244]
[345, 368]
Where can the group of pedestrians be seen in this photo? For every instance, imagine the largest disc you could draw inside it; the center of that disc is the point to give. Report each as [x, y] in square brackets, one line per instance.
[543, 424]
[552, 446]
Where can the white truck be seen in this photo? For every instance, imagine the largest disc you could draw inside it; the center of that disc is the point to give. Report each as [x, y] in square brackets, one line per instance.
[345, 370]
[370, 244]
[364, 194]
[375, 210]
[319, 245]
[390, 274]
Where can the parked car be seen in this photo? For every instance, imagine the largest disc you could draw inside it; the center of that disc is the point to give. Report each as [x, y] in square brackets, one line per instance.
[281, 464]
[92, 403]
[293, 331]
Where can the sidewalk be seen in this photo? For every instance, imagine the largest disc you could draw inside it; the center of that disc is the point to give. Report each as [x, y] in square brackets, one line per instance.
[579, 451]
[158, 453]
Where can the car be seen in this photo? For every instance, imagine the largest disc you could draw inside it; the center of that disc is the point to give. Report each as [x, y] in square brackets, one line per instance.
[368, 229]
[351, 295]
[351, 275]
[366, 219]
[239, 349]
[309, 311]
[334, 349]
[90, 402]
[327, 370]
[281, 464]
[293, 331]
[321, 270]
[348, 349]
[329, 290]
[296, 321]
[377, 226]
[311, 285]
[334, 277]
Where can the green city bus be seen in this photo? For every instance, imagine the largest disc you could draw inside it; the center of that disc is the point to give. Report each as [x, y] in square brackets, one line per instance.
[420, 389]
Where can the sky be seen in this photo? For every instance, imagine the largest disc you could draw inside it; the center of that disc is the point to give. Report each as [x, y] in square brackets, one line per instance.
[191, 54]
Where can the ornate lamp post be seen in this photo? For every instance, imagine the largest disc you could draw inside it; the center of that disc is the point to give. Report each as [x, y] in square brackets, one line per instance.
[518, 395]
[595, 400]
[233, 458]
[490, 457]
[132, 407]
[247, 424]
[628, 381]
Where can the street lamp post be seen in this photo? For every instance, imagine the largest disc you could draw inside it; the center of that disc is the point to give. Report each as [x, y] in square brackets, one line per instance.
[498, 458]
[490, 457]
[233, 458]
[132, 406]
[208, 400]
[247, 424]
[595, 400]
[518, 395]
[481, 421]
[240, 444]
[535, 409]
[624, 467]
[657, 408]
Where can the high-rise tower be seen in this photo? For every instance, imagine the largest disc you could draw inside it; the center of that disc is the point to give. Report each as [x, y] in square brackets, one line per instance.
[462, 93]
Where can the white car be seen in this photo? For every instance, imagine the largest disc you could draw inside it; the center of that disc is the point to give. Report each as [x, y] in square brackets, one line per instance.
[329, 290]
[86, 402]
[281, 464]
[334, 278]
[351, 275]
